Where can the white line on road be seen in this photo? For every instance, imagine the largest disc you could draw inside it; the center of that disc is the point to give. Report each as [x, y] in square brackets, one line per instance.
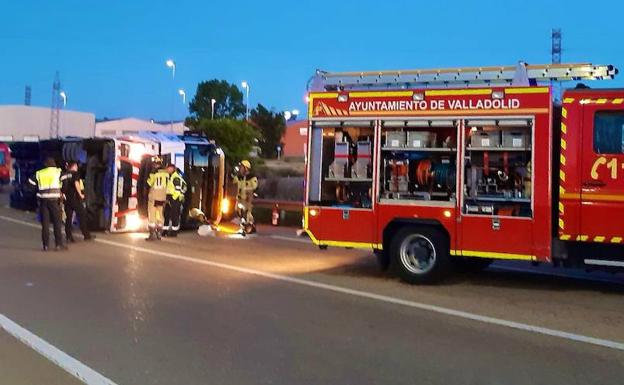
[369, 295]
[58, 357]
[291, 239]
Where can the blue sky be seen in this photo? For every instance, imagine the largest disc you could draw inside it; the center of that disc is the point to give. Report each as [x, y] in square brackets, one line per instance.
[111, 54]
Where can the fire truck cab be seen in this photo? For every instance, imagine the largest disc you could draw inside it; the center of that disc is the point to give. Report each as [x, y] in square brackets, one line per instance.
[463, 166]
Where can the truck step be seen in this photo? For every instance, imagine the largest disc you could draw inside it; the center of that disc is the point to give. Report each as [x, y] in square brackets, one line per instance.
[604, 262]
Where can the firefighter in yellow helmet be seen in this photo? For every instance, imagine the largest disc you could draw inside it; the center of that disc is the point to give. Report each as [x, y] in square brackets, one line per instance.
[246, 185]
[176, 189]
[156, 198]
[48, 184]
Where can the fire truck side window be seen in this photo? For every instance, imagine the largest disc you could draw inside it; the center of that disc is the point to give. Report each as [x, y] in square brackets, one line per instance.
[419, 161]
[609, 132]
[497, 168]
[341, 164]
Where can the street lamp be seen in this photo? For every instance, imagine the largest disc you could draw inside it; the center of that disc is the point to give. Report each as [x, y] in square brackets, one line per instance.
[183, 94]
[63, 95]
[246, 87]
[171, 64]
[212, 104]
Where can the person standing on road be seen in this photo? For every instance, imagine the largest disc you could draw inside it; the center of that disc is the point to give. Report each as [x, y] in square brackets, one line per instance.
[176, 188]
[157, 184]
[48, 184]
[246, 185]
[73, 191]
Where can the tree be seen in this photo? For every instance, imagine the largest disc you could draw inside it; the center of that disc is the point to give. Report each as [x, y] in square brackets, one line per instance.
[271, 126]
[229, 100]
[235, 137]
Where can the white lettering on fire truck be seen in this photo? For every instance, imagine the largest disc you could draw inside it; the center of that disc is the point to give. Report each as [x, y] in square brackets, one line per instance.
[414, 105]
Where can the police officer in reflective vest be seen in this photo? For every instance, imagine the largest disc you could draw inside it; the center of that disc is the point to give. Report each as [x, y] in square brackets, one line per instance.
[157, 183]
[176, 188]
[48, 183]
[73, 190]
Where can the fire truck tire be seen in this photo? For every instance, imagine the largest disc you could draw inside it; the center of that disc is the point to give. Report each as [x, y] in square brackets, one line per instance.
[420, 255]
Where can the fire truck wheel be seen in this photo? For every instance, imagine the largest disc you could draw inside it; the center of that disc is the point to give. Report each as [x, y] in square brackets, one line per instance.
[419, 254]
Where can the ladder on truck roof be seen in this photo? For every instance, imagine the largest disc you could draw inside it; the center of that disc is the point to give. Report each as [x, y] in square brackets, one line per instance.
[520, 75]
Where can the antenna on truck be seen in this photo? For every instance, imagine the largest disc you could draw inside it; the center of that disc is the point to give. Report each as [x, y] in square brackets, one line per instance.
[522, 74]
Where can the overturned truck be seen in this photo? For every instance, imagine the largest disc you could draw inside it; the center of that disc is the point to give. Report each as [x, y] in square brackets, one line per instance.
[115, 172]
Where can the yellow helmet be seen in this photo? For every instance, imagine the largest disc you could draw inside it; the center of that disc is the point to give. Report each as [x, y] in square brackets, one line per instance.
[245, 163]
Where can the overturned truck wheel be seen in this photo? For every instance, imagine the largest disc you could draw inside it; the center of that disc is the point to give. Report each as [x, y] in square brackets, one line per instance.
[420, 255]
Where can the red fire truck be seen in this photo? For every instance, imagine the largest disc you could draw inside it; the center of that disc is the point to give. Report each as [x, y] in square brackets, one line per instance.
[5, 164]
[462, 166]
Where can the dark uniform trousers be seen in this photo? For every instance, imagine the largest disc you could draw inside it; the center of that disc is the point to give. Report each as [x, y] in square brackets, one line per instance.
[50, 209]
[71, 206]
[173, 213]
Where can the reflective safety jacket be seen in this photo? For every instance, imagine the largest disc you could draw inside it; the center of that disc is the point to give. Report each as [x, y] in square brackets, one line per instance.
[176, 188]
[48, 182]
[246, 185]
[157, 182]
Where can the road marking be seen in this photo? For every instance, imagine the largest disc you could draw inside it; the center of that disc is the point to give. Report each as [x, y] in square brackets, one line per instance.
[365, 294]
[68, 363]
[291, 239]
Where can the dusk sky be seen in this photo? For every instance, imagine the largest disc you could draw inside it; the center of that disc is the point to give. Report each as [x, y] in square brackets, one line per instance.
[111, 54]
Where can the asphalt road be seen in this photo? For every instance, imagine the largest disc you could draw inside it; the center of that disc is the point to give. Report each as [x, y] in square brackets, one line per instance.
[269, 310]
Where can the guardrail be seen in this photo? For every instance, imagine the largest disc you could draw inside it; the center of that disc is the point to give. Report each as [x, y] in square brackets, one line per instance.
[283, 205]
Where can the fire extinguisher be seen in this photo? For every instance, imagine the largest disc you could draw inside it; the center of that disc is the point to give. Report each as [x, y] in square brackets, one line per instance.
[275, 215]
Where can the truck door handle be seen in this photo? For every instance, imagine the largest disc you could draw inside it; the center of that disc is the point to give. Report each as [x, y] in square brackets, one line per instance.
[594, 183]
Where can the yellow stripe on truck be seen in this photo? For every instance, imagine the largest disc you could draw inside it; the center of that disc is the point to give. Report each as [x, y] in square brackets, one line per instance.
[492, 254]
[527, 90]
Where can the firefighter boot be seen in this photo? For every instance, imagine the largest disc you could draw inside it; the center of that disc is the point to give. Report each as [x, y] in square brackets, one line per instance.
[152, 235]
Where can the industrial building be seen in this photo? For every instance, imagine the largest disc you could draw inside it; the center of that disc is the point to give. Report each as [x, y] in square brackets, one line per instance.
[29, 123]
[131, 126]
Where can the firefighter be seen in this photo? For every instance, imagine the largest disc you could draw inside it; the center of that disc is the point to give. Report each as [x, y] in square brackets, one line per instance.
[246, 185]
[176, 188]
[73, 192]
[157, 184]
[48, 184]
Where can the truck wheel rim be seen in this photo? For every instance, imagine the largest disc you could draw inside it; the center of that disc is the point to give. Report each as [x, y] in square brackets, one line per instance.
[417, 254]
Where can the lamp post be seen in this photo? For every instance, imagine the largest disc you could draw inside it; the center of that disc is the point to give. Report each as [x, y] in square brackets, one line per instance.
[171, 64]
[63, 95]
[183, 94]
[246, 87]
[212, 104]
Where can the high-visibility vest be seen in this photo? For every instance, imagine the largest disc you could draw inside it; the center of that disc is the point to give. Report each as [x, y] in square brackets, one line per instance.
[157, 182]
[246, 185]
[49, 183]
[176, 186]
